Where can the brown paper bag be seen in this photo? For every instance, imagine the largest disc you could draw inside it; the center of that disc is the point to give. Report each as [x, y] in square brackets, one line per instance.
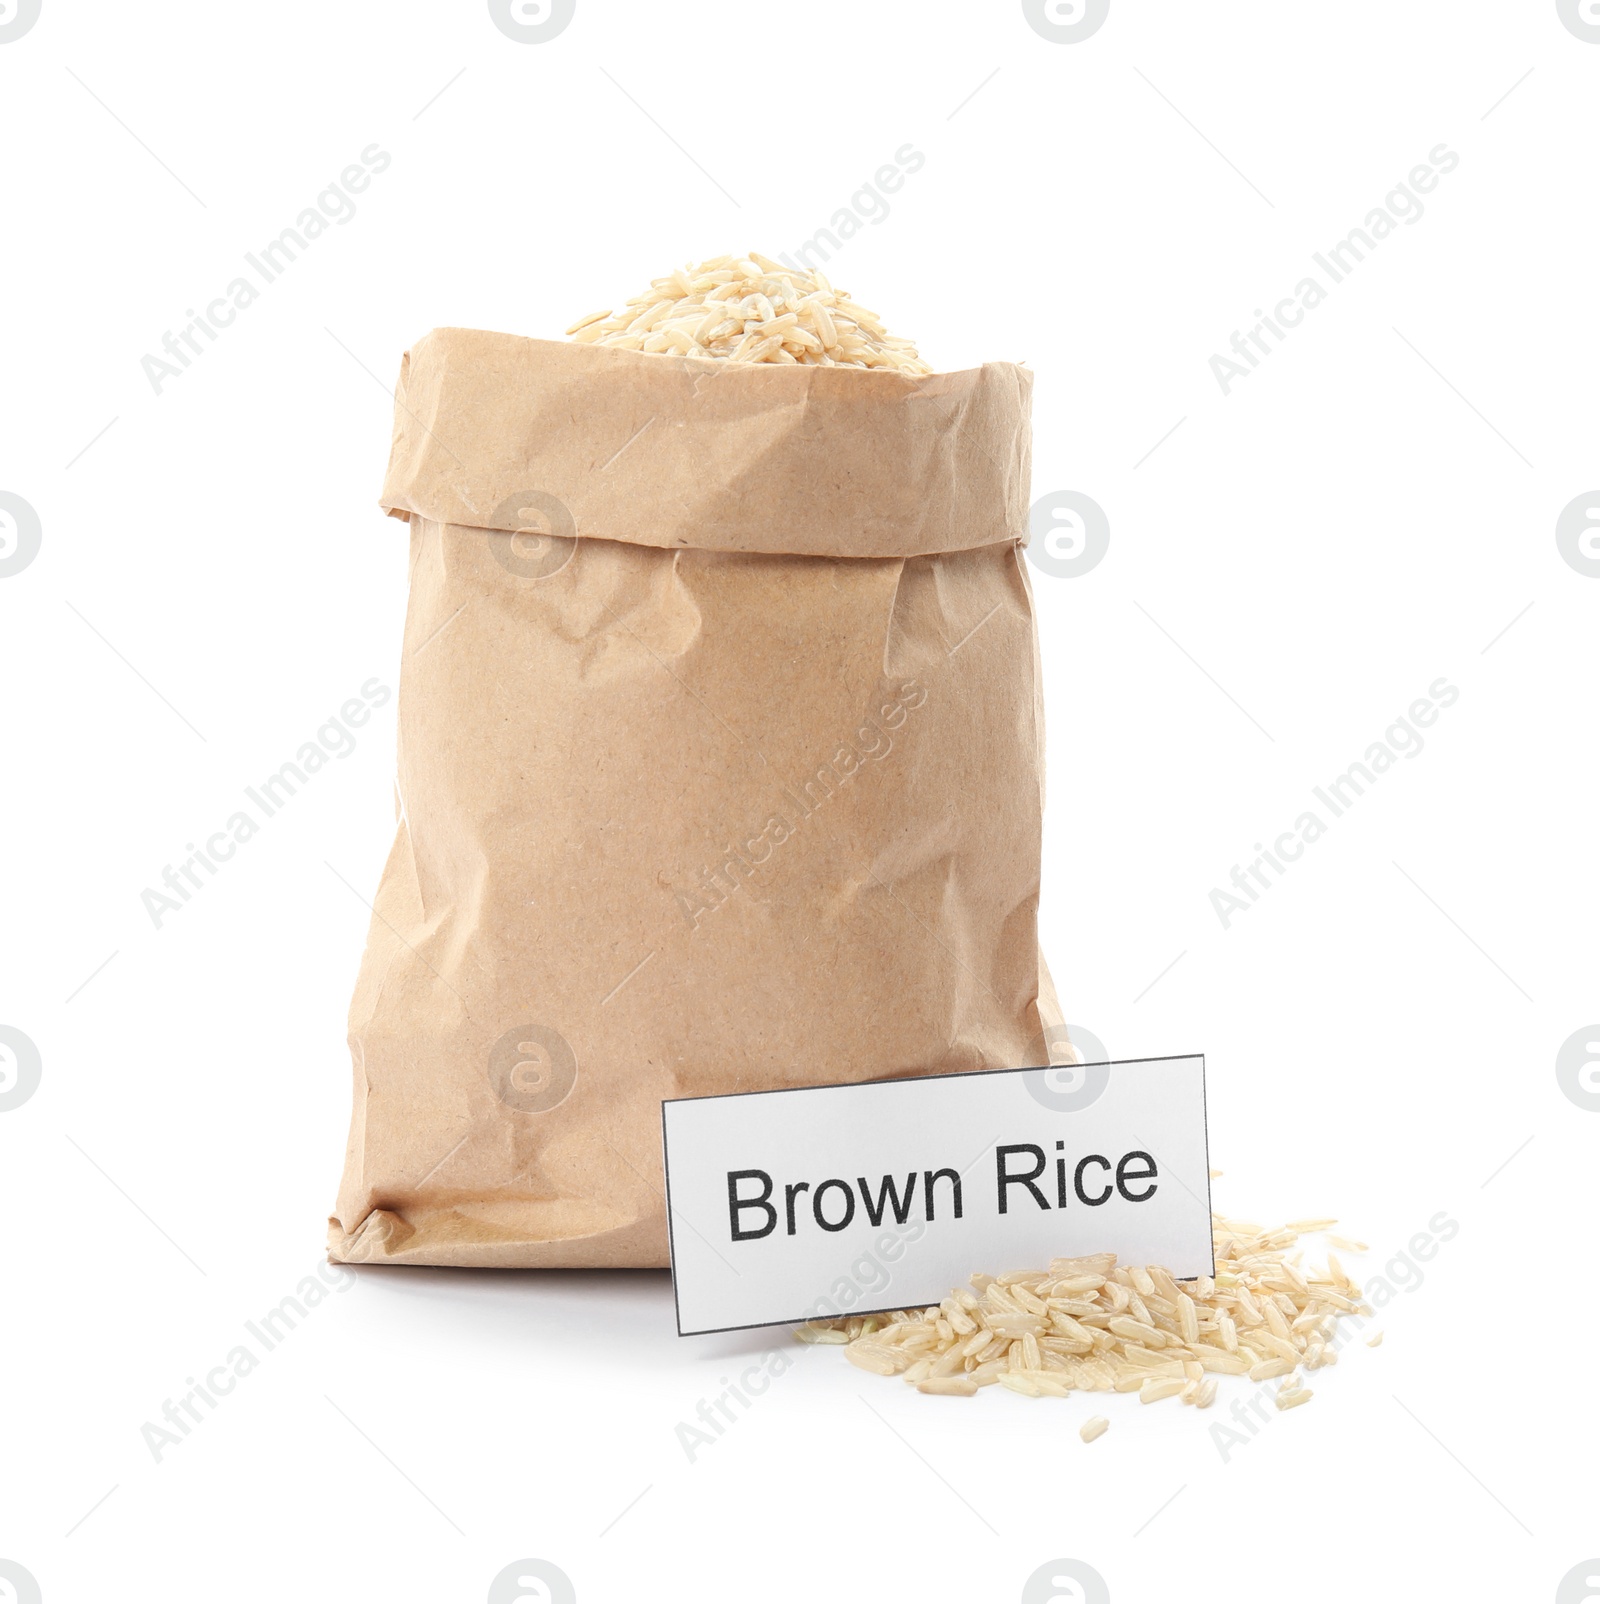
[723, 774]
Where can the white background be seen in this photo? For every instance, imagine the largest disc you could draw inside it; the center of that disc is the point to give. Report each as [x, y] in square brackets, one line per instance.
[1289, 568]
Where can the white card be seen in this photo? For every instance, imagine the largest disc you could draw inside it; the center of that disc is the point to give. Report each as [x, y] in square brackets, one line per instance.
[829, 1200]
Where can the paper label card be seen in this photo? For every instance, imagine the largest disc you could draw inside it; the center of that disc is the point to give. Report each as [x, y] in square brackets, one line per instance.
[830, 1200]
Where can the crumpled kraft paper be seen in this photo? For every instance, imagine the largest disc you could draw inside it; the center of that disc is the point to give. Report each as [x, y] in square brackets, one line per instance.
[720, 769]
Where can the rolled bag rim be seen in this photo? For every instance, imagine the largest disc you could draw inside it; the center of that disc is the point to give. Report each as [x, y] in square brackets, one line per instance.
[806, 461]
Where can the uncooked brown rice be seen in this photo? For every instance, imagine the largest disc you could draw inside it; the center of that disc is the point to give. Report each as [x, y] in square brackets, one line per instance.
[1089, 1324]
[751, 309]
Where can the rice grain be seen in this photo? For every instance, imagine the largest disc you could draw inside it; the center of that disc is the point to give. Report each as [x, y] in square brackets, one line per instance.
[1088, 1324]
[751, 309]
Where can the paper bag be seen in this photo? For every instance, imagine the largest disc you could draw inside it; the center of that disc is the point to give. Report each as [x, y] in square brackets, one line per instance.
[720, 769]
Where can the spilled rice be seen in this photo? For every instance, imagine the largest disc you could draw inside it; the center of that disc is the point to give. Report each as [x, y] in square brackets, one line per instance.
[752, 309]
[1088, 1324]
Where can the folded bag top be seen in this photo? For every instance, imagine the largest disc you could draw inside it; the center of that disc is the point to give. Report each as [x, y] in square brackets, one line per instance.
[751, 457]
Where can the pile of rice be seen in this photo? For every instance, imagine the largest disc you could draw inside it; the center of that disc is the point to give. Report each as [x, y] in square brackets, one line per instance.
[1089, 1324]
[752, 309]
